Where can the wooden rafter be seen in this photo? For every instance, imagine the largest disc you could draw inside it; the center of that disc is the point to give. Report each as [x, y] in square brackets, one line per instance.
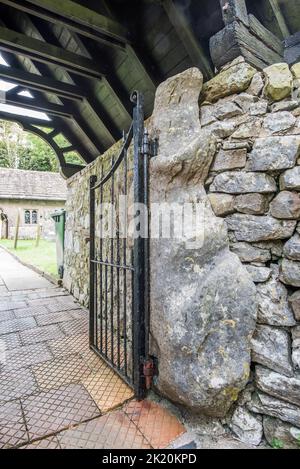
[145, 65]
[40, 83]
[76, 17]
[188, 38]
[4, 115]
[279, 18]
[47, 35]
[43, 69]
[17, 43]
[37, 104]
[75, 141]
[57, 123]
[86, 23]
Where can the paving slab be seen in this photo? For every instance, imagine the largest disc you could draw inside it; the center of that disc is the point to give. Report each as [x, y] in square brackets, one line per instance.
[10, 341]
[41, 334]
[55, 410]
[46, 443]
[54, 318]
[16, 325]
[76, 327]
[70, 345]
[107, 389]
[58, 372]
[7, 305]
[3, 290]
[30, 311]
[12, 425]
[53, 388]
[15, 384]
[111, 431]
[7, 315]
[27, 355]
[18, 277]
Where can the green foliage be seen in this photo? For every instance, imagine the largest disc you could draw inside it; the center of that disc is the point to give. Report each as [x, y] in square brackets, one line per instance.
[4, 160]
[23, 150]
[277, 444]
[39, 156]
[74, 158]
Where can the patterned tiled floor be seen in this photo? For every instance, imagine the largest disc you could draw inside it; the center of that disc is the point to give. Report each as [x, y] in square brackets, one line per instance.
[54, 391]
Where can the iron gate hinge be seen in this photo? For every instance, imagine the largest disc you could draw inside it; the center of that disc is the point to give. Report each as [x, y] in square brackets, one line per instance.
[153, 147]
[149, 146]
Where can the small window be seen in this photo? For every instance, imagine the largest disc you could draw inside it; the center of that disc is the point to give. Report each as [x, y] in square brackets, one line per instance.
[27, 217]
[31, 217]
[34, 219]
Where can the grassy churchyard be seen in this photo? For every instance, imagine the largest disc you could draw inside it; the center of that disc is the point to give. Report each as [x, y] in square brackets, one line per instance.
[43, 257]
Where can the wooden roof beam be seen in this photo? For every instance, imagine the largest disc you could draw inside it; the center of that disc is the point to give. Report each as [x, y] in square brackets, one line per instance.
[19, 43]
[47, 35]
[75, 17]
[36, 104]
[40, 83]
[8, 116]
[75, 141]
[58, 124]
[279, 18]
[188, 38]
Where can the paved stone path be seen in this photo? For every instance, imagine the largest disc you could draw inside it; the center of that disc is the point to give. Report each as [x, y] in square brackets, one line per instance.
[54, 391]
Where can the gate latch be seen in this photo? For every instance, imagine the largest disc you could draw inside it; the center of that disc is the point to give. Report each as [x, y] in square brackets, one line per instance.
[148, 372]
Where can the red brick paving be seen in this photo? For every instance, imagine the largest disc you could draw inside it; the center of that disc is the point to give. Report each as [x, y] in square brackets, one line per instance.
[155, 422]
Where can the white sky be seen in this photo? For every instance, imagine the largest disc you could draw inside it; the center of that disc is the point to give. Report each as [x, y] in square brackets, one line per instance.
[6, 86]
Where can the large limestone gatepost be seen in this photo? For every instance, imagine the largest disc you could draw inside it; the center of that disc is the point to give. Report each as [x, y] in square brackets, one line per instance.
[203, 307]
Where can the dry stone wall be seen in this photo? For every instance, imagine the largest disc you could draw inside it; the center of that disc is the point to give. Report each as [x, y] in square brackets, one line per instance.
[76, 275]
[254, 184]
[238, 298]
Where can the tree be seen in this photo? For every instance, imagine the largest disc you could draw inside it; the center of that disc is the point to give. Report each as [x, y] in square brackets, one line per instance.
[12, 144]
[39, 155]
[23, 150]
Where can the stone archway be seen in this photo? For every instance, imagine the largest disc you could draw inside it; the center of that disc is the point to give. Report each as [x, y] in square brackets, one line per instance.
[3, 225]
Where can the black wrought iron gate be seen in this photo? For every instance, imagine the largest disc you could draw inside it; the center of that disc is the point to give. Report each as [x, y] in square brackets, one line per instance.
[119, 261]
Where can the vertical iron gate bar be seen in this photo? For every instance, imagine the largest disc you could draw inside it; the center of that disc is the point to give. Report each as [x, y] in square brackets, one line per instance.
[93, 180]
[139, 352]
[146, 157]
[106, 300]
[112, 269]
[124, 270]
[101, 269]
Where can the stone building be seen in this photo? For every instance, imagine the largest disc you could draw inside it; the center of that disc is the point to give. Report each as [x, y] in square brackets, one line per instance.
[34, 195]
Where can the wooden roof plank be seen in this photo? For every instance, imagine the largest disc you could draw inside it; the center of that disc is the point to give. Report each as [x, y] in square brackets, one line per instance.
[74, 11]
[76, 17]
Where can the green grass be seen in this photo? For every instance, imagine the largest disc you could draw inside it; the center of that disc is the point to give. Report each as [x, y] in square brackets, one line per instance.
[43, 256]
